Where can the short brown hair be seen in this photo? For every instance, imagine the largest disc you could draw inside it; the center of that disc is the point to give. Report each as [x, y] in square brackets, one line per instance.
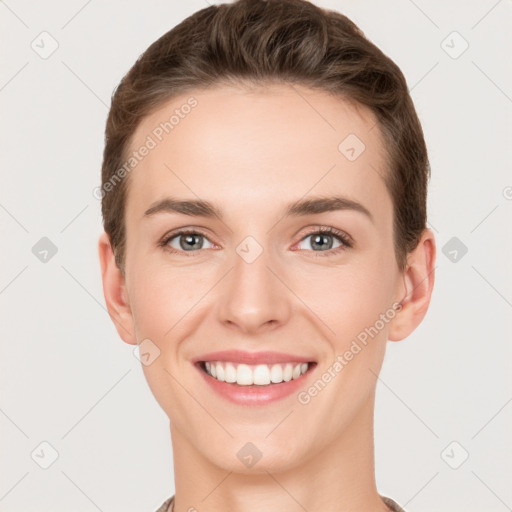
[258, 42]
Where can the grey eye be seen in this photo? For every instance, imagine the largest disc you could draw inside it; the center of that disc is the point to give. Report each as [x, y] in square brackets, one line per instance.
[188, 241]
[321, 241]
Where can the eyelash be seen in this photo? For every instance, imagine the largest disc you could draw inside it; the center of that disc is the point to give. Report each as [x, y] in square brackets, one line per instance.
[323, 230]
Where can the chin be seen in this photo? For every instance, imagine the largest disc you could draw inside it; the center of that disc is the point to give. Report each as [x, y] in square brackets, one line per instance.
[255, 457]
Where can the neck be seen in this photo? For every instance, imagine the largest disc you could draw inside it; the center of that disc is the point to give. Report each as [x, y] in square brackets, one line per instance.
[339, 478]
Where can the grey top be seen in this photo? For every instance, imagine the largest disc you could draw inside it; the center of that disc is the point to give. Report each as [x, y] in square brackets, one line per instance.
[166, 505]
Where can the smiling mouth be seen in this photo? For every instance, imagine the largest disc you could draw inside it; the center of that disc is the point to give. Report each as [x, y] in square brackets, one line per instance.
[258, 375]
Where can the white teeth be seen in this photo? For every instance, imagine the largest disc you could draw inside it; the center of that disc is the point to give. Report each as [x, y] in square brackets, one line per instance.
[219, 369]
[288, 372]
[276, 373]
[230, 374]
[244, 375]
[261, 374]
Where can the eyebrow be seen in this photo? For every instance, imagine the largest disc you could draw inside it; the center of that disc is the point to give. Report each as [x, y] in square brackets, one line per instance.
[302, 207]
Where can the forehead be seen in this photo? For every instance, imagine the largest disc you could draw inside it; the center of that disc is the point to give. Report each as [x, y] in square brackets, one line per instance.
[235, 145]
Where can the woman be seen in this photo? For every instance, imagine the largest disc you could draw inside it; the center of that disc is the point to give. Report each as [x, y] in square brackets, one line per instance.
[264, 202]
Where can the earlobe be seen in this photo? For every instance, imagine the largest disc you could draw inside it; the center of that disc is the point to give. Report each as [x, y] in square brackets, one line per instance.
[416, 291]
[114, 291]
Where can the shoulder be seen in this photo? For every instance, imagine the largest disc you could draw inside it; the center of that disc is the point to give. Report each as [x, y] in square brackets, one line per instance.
[395, 507]
[164, 507]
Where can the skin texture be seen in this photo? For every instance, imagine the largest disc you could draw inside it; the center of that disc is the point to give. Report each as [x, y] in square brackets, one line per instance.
[251, 152]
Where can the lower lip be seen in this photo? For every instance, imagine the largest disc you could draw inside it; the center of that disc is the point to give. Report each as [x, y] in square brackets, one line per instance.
[254, 394]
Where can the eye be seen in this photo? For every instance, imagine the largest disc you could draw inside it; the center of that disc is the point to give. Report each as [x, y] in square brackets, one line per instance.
[324, 238]
[185, 241]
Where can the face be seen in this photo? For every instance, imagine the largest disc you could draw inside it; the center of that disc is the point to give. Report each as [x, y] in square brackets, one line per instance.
[257, 274]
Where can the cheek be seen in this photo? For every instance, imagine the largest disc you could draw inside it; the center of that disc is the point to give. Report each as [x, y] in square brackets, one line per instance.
[161, 297]
[347, 299]
[163, 302]
[150, 308]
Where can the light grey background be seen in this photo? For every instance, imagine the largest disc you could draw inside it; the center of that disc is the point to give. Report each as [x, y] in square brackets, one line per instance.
[67, 379]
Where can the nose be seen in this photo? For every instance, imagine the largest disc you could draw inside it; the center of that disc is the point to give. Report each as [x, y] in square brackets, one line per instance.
[253, 298]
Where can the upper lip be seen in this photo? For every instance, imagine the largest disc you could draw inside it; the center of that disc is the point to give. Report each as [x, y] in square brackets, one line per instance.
[239, 356]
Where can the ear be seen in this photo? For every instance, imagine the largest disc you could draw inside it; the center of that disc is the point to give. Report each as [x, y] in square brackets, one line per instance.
[416, 290]
[114, 290]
